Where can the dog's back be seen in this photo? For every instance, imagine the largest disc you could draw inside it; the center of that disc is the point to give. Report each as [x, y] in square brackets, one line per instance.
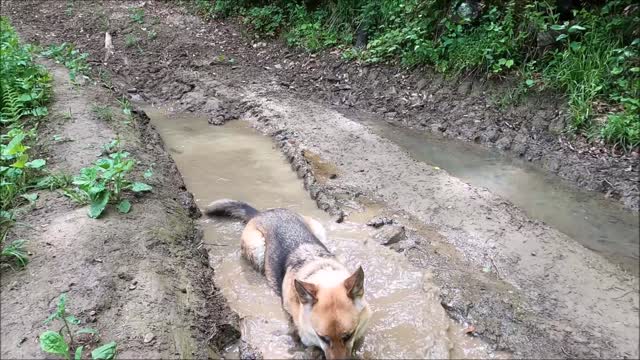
[289, 243]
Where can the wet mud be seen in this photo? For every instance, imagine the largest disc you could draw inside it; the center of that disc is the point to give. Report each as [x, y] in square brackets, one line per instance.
[408, 321]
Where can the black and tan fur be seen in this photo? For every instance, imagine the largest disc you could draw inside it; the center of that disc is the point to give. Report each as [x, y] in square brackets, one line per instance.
[326, 301]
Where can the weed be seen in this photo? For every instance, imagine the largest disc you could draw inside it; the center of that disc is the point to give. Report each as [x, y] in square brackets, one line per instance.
[105, 78]
[16, 171]
[136, 15]
[69, 10]
[103, 112]
[126, 107]
[152, 34]
[264, 20]
[54, 342]
[130, 40]
[67, 115]
[14, 251]
[105, 183]
[71, 58]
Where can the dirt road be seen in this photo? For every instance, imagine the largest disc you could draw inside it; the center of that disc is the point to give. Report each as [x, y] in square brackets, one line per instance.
[527, 288]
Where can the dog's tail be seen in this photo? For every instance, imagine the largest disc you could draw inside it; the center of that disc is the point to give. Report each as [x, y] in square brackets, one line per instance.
[231, 208]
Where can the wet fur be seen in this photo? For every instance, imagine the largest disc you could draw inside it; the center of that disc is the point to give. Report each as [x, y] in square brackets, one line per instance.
[287, 248]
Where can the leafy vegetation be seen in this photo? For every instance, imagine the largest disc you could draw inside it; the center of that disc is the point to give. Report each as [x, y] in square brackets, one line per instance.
[26, 89]
[593, 58]
[71, 58]
[55, 342]
[106, 181]
[136, 15]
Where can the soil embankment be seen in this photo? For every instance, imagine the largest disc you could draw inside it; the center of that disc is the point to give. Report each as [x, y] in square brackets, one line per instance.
[138, 279]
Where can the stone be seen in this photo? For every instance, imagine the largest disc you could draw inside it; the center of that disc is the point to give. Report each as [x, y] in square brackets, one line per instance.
[390, 235]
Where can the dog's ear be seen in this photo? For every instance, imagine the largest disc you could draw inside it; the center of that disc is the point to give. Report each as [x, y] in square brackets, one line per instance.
[306, 291]
[355, 284]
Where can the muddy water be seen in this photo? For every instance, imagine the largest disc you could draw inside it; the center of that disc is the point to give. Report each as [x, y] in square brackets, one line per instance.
[235, 162]
[599, 224]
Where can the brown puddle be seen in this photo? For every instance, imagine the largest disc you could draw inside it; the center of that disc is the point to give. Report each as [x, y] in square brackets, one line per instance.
[234, 161]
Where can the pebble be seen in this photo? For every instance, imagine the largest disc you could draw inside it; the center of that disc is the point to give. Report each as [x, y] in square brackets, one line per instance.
[149, 338]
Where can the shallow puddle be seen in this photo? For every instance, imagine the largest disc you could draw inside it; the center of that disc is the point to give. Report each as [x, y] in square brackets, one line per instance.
[600, 224]
[233, 161]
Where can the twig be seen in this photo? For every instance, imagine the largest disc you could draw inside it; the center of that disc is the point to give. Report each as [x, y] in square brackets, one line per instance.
[496, 267]
[623, 295]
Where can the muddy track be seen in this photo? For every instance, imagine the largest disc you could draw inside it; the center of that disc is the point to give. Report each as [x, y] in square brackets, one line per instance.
[543, 296]
[467, 109]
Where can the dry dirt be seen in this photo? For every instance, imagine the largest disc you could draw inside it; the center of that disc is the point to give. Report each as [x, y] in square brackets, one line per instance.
[543, 295]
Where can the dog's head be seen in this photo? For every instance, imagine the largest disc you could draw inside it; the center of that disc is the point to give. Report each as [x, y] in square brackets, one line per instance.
[336, 314]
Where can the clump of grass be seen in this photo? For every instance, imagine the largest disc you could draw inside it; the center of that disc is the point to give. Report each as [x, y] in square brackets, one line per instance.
[103, 112]
[131, 40]
[136, 15]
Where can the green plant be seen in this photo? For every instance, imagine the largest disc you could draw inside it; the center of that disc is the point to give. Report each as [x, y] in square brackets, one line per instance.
[54, 342]
[16, 171]
[105, 183]
[264, 20]
[13, 251]
[71, 58]
[136, 15]
[25, 86]
[152, 34]
[130, 41]
[126, 107]
[103, 112]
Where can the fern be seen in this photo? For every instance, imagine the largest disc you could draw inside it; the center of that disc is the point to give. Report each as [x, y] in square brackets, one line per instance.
[11, 108]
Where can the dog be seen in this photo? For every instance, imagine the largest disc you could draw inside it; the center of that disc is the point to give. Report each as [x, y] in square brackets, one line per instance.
[325, 301]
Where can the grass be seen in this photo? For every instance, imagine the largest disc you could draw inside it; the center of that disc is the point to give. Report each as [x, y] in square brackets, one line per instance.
[103, 112]
[137, 15]
[593, 59]
[131, 40]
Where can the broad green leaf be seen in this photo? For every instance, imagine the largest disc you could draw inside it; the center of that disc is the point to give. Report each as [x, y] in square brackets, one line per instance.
[30, 197]
[78, 355]
[530, 82]
[14, 146]
[105, 352]
[40, 111]
[575, 28]
[54, 343]
[21, 162]
[140, 187]
[562, 37]
[124, 206]
[557, 27]
[98, 204]
[148, 174]
[509, 63]
[36, 164]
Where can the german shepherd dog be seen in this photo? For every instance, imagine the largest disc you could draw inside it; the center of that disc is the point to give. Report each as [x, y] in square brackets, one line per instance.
[325, 301]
